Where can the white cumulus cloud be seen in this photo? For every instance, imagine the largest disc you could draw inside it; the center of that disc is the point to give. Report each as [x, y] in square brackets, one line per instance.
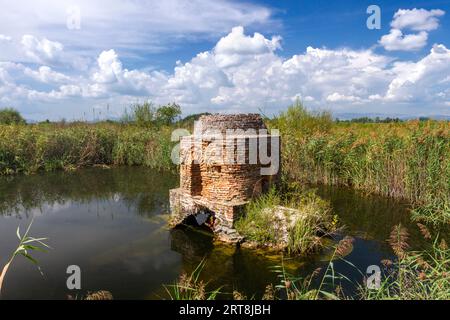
[424, 80]
[134, 27]
[5, 38]
[337, 97]
[242, 73]
[420, 20]
[395, 40]
[417, 19]
[47, 75]
[42, 50]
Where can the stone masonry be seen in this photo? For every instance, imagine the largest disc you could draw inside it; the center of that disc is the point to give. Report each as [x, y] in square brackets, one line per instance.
[226, 161]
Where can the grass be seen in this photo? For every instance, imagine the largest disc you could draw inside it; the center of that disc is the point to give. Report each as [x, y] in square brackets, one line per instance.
[190, 287]
[409, 160]
[32, 148]
[413, 275]
[26, 245]
[10, 116]
[310, 220]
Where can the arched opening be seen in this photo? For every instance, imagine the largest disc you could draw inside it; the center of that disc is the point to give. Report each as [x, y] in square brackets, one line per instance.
[203, 219]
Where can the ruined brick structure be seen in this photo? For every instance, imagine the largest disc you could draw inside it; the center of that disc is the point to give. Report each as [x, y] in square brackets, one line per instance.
[228, 160]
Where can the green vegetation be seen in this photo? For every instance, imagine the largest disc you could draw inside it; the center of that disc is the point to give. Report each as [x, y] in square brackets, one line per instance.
[53, 146]
[10, 116]
[189, 287]
[144, 138]
[26, 245]
[409, 160]
[307, 220]
[313, 287]
[148, 115]
[415, 275]
[373, 120]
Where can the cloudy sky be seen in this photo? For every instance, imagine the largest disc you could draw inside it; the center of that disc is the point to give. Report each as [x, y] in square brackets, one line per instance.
[93, 58]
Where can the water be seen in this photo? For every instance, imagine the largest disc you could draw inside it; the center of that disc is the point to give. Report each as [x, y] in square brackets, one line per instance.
[112, 223]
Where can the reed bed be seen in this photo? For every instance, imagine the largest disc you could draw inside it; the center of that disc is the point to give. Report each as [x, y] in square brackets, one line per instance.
[31, 148]
[409, 160]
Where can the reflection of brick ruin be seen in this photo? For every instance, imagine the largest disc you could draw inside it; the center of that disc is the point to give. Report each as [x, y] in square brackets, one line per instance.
[227, 161]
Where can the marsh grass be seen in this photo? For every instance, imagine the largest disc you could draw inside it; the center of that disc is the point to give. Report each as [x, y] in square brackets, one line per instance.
[48, 147]
[414, 275]
[323, 283]
[304, 235]
[409, 160]
[27, 244]
[257, 221]
[190, 287]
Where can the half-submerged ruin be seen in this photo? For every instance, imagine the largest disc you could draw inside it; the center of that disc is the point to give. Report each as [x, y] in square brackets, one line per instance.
[225, 162]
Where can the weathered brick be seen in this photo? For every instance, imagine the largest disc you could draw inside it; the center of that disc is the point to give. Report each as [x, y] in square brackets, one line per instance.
[220, 169]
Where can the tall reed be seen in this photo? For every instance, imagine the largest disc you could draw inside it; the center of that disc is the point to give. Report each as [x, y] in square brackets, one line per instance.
[51, 146]
[27, 244]
[409, 160]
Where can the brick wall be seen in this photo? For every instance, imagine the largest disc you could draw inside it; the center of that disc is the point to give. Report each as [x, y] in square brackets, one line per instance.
[209, 167]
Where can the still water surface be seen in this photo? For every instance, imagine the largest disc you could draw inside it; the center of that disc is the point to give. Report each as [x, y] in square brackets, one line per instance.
[112, 223]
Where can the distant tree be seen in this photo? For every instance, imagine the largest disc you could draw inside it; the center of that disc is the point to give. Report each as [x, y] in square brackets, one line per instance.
[362, 120]
[167, 114]
[372, 120]
[188, 121]
[147, 114]
[193, 117]
[46, 121]
[11, 116]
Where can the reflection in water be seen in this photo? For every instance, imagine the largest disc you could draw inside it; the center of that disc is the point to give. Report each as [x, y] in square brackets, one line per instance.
[242, 269]
[112, 223]
[138, 188]
[371, 217]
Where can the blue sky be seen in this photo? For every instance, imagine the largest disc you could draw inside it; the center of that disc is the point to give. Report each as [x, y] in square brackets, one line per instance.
[331, 24]
[85, 59]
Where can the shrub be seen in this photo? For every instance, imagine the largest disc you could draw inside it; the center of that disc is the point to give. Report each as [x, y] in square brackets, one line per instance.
[307, 217]
[11, 116]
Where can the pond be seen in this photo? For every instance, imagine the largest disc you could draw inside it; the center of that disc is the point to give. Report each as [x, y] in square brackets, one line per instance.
[112, 223]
